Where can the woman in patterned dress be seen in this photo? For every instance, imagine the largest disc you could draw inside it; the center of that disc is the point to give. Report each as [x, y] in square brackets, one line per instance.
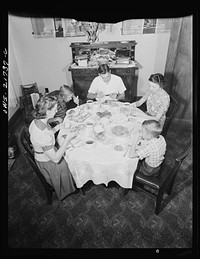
[156, 98]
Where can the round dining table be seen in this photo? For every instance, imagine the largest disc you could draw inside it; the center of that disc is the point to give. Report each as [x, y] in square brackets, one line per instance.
[105, 131]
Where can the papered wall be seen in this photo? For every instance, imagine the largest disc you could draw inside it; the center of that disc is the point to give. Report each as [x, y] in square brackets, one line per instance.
[46, 61]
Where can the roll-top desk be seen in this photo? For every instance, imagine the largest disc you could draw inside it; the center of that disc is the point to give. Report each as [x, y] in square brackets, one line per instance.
[82, 76]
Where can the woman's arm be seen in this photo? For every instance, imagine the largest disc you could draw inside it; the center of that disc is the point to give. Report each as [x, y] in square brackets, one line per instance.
[156, 117]
[55, 156]
[142, 114]
[139, 102]
[55, 119]
[121, 96]
[57, 127]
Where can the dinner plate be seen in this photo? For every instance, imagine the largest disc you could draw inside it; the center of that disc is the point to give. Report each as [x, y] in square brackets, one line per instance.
[120, 147]
[120, 131]
[72, 112]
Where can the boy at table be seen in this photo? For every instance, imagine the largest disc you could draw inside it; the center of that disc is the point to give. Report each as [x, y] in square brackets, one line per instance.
[106, 84]
[149, 146]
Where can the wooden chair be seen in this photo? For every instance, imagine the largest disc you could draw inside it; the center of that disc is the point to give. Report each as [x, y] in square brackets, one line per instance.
[157, 186]
[26, 101]
[169, 115]
[29, 154]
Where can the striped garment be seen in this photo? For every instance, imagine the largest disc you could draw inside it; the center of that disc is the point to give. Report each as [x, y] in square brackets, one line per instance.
[153, 151]
[62, 106]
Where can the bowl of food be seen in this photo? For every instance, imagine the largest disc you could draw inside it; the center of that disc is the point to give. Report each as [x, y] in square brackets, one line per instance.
[120, 131]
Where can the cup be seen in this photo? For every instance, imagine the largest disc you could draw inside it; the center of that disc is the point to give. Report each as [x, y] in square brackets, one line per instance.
[89, 142]
[89, 104]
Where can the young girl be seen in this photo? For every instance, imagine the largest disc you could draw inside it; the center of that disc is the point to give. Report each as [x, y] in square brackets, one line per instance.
[149, 146]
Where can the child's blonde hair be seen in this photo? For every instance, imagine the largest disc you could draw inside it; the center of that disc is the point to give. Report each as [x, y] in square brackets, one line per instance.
[43, 104]
[153, 127]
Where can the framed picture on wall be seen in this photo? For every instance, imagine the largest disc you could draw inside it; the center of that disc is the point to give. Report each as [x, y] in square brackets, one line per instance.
[145, 26]
[72, 28]
[134, 26]
[149, 26]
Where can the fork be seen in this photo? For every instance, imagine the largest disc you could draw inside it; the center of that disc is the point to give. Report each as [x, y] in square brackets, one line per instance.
[126, 151]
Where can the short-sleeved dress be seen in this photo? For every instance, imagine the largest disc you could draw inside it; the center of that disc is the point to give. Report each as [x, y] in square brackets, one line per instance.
[157, 101]
[57, 174]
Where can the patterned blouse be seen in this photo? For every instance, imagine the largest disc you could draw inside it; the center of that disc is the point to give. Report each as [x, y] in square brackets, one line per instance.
[156, 102]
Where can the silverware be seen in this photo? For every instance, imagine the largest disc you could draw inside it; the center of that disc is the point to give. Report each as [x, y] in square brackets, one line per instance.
[71, 144]
[126, 151]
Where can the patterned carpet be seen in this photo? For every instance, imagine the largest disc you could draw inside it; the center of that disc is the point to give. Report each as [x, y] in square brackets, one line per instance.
[103, 218]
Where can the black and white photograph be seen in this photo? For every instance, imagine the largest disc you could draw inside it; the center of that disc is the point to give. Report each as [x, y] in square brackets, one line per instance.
[100, 133]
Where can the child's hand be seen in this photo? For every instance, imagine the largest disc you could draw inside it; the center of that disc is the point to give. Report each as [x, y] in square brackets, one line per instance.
[59, 126]
[135, 135]
[76, 99]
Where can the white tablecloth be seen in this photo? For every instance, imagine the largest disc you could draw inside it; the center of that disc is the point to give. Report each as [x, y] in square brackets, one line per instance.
[102, 163]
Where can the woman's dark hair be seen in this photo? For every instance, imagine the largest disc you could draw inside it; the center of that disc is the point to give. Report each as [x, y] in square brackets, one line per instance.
[43, 104]
[103, 69]
[158, 79]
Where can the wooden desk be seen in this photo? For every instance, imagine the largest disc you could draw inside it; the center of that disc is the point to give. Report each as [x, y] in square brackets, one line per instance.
[82, 77]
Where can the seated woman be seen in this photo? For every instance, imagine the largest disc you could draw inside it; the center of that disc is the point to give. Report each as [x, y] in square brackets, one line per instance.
[48, 158]
[66, 100]
[156, 98]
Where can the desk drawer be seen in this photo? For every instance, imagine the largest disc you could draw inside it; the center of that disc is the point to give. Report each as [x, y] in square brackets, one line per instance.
[83, 78]
[123, 71]
[84, 72]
